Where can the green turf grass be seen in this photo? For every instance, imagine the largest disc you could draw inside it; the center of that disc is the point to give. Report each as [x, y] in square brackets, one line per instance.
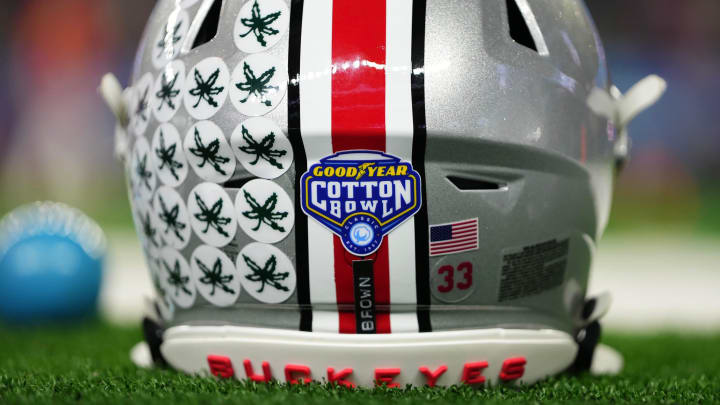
[90, 364]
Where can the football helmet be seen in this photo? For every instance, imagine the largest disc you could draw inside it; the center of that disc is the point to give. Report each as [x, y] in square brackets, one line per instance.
[380, 192]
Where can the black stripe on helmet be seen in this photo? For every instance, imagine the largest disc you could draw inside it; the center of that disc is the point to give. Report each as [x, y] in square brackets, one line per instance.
[422, 254]
[301, 221]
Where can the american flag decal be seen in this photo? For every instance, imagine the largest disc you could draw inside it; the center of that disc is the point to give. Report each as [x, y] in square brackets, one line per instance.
[455, 237]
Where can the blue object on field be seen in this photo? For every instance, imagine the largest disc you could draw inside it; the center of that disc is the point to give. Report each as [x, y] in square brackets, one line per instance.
[51, 261]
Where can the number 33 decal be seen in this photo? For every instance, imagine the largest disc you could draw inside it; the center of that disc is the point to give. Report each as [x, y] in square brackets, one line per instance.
[460, 277]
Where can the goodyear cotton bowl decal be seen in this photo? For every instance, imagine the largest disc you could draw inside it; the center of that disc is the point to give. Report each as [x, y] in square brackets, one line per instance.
[361, 196]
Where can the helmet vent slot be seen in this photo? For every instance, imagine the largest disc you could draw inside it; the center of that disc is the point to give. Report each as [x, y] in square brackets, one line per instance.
[524, 28]
[468, 184]
[208, 29]
[519, 30]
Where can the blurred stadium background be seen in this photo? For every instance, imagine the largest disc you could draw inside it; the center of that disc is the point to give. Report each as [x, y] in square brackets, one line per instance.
[660, 257]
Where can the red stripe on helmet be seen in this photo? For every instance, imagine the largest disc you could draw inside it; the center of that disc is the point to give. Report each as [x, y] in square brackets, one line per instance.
[358, 122]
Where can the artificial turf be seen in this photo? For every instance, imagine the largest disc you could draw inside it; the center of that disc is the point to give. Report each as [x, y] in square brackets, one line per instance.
[89, 363]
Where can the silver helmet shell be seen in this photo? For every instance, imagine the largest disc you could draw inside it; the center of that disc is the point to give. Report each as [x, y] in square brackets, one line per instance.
[401, 167]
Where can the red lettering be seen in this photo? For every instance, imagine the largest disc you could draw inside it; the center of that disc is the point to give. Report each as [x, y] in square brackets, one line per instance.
[294, 369]
[472, 373]
[513, 369]
[265, 378]
[449, 280]
[220, 366]
[432, 376]
[340, 378]
[386, 376]
[467, 267]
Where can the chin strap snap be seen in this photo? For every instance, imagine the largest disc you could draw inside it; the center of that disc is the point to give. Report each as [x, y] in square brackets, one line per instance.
[587, 339]
[592, 356]
[147, 354]
[153, 334]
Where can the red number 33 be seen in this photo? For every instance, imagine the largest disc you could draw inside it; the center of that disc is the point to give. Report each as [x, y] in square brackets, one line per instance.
[465, 268]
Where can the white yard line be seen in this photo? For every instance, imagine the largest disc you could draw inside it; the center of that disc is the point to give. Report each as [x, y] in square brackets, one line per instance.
[126, 282]
[665, 281]
[660, 281]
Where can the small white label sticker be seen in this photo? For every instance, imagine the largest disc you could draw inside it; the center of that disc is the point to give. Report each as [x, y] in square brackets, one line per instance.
[173, 219]
[207, 86]
[215, 276]
[209, 153]
[265, 211]
[266, 273]
[258, 85]
[261, 24]
[140, 108]
[167, 92]
[168, 156]
[170, 37]
[212, 215]
[262, 148]
[142, 175]
[178, 277]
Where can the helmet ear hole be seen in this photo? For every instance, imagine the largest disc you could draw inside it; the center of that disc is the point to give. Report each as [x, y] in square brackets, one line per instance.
[209, 27]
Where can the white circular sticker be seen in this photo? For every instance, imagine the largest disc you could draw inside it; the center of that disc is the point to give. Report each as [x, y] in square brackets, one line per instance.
[165, 305]
[170, 37]
[451, 281]
[173, 219]
[261, 24]
[211, 214]
[140, 108]
[265, 211]
[142, 174]
[258, 85]
[178, 277]
[215, 276]
[262, 148]
[209, 153]
[167, 92]
[147, 228]
[169, 158]
[166, 308]
[207, 86]
[157, 276]
[266, 273]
